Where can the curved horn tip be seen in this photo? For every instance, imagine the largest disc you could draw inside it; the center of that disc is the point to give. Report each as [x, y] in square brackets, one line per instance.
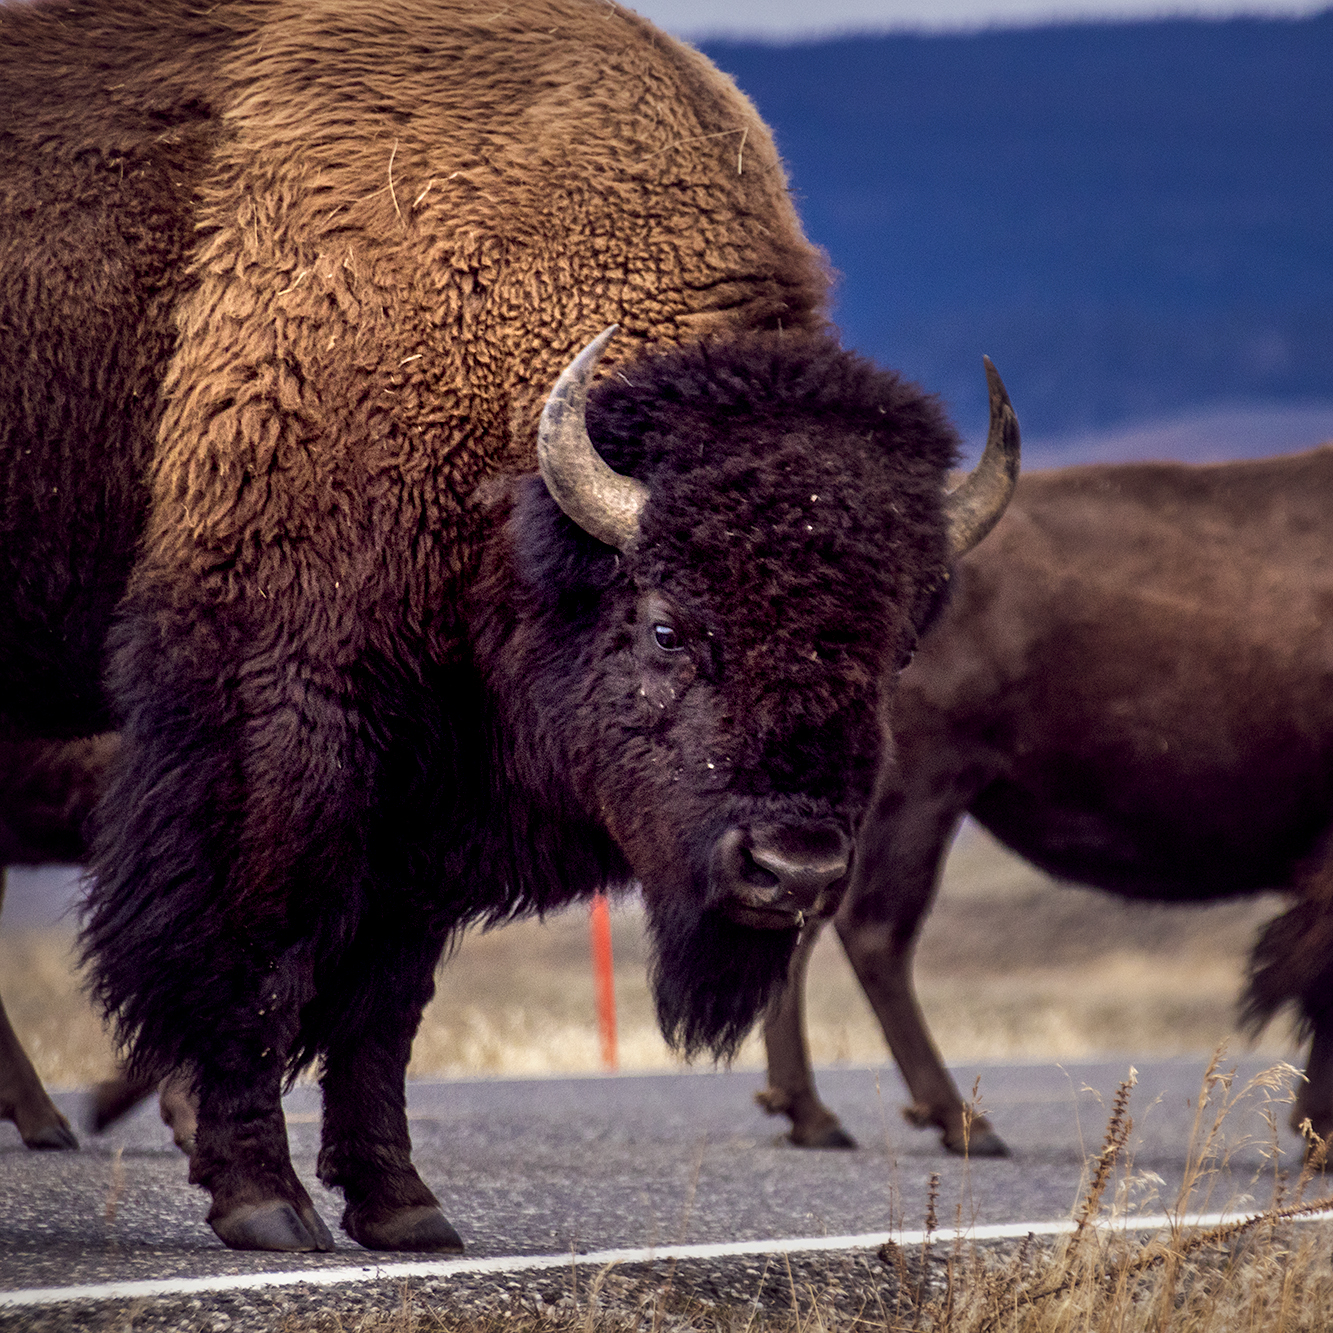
[975, 507]
[999, 395]
[578, 372]
[597, 346]
[603, 503]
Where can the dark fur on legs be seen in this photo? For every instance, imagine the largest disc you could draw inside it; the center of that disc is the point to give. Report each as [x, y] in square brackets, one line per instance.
[388, 978]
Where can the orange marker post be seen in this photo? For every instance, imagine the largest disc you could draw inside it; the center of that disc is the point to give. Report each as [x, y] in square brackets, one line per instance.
[604, 980]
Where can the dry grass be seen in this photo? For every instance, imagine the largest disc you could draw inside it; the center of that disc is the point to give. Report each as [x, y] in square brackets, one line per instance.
[1011, 966]
[1259, 1272]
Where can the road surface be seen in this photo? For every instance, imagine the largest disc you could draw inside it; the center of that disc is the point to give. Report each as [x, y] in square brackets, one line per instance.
[554, 1166]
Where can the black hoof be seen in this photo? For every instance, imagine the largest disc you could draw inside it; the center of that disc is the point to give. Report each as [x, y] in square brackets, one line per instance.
[423, 1227]
[830, 1136]
[53, 1138]
[980, 1143]
[274, 1225]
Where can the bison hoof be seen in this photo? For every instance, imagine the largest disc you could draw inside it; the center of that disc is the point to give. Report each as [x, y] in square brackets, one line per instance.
[423, 1227]
[826, 1136]
[54, 1137]
[275, 1225]
[981, 1142]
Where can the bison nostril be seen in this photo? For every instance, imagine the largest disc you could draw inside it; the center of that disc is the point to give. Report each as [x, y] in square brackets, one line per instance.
[801, 876]
[753, 872]
[778, 871]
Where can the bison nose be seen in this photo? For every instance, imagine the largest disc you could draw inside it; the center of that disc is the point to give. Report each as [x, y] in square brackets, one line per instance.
[774, 877]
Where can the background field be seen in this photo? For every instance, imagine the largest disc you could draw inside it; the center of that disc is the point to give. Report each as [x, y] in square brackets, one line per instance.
[1012, 964]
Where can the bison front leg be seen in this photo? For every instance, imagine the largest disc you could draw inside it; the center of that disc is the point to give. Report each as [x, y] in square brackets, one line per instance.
[882, 960]
[367, 1151]
[791, 1082]
[899, 853]
[240, 1151]
[22, 1097]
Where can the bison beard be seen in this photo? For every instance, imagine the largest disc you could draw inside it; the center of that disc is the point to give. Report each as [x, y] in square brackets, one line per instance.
[746, 968]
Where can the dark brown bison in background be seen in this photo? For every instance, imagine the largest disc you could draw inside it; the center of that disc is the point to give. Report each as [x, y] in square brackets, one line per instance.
[1130, 687]
[283, 291]
[47, 793]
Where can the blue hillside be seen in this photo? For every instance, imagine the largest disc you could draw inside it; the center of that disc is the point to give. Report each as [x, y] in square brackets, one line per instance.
[1135, 220]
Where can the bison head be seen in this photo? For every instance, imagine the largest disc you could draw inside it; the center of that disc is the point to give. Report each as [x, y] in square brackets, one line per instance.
[706, 609]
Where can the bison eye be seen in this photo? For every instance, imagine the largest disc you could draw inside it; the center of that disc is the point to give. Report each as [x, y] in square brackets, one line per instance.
[667, 639]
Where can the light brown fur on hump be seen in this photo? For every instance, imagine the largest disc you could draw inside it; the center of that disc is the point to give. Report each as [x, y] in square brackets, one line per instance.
[419, 211]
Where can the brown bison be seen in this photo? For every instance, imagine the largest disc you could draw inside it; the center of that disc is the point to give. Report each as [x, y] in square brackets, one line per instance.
[284, 289]
[47, 793]
[1131, 688]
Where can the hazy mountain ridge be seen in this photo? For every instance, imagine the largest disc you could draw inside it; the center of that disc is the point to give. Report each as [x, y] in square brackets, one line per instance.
[1134, 219]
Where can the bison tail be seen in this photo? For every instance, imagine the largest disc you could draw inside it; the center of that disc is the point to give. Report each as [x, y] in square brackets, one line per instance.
[1292, 964]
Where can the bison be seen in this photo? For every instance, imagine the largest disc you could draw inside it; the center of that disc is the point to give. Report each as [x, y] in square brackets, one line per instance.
[393, 646]
[1130, 688]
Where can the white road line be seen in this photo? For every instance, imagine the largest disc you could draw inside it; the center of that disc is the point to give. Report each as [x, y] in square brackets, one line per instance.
[529, 1263]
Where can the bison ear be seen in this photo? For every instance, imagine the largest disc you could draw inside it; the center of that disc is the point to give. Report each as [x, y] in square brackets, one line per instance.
[603, 503]
[974, 508]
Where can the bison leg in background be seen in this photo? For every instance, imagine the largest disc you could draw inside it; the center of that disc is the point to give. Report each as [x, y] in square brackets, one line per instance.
[23, 1099]
[114, 1098]
[900, 852]
[882, 959]
[791, 1085]
[366, 1150]
[179, 1110]
[1314, 1097]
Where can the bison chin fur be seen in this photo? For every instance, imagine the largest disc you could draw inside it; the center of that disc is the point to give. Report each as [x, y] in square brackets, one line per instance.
[711, 977]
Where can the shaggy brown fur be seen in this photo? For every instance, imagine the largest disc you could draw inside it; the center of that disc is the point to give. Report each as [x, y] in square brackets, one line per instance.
[361, 240]
[1130, 687]
[282, 290]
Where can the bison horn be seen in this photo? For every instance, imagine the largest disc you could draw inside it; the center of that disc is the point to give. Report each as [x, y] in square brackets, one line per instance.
[974, 507]
[603, 503]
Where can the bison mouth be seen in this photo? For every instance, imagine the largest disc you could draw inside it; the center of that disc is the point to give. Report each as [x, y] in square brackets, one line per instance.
[763, 918]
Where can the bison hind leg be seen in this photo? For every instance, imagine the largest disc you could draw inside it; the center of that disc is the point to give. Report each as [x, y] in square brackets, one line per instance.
[114, 1098]
[23, 1099]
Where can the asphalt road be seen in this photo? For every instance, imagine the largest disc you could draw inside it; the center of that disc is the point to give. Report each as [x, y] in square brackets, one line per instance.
[528, 1167]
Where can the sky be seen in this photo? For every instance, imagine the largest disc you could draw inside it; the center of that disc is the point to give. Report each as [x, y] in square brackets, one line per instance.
[790, 20]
